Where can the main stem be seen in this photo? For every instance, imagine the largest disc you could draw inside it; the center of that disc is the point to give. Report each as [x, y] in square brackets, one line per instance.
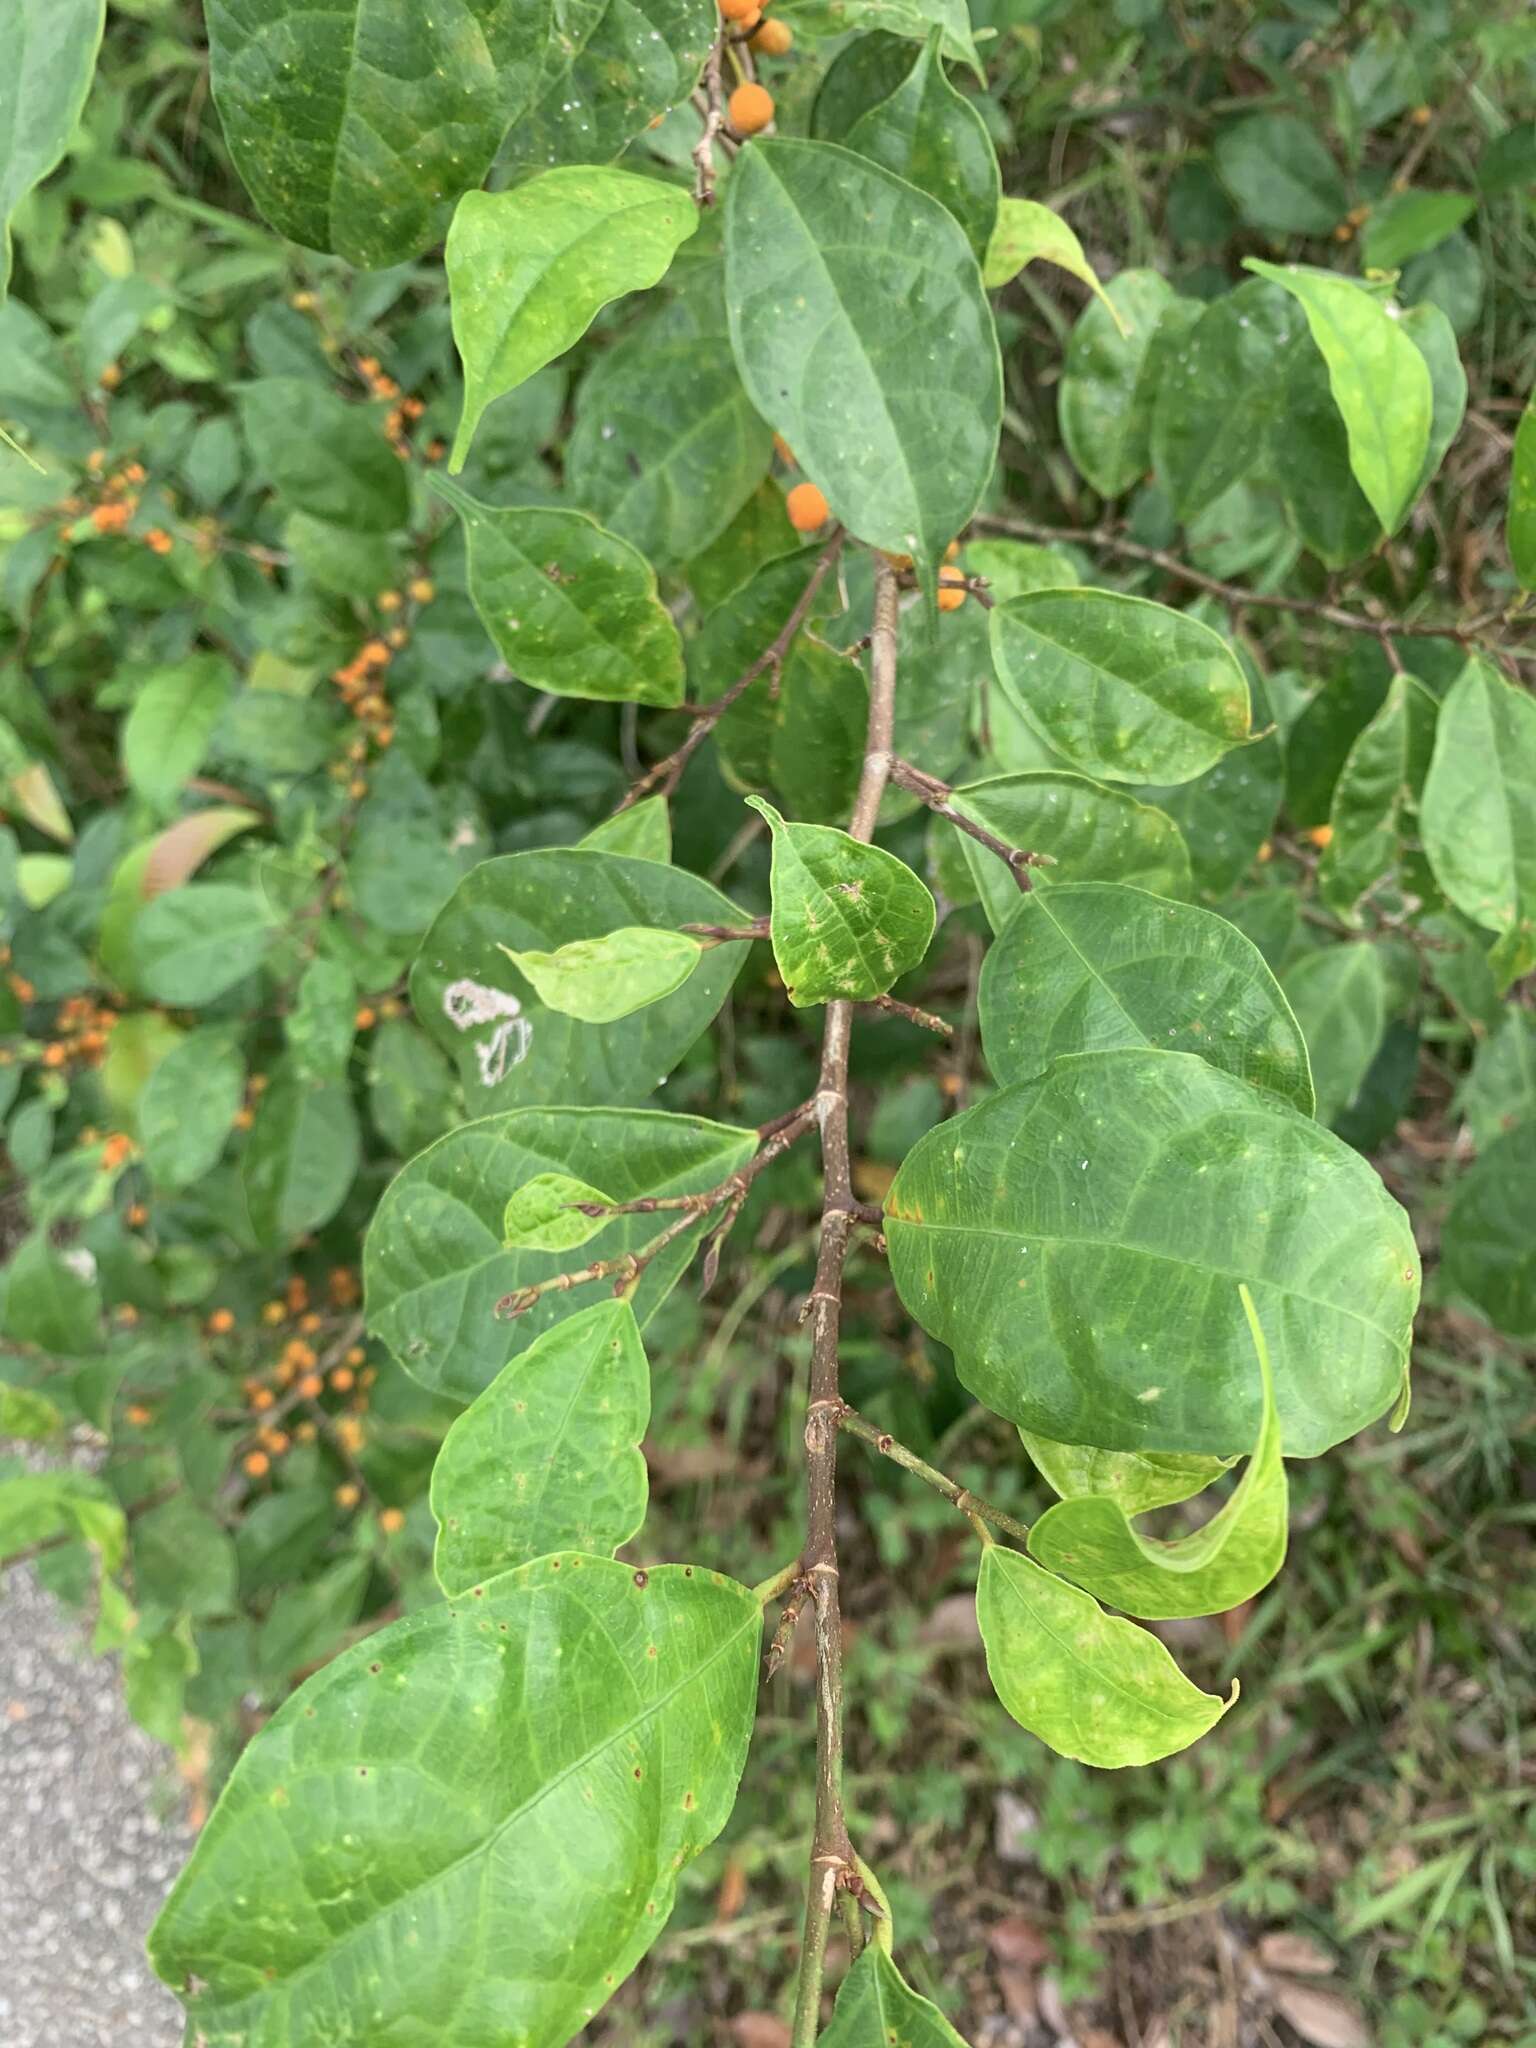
[832, 1858]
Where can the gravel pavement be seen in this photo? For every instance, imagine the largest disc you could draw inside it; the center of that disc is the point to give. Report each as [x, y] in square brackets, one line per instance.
[89, 1840]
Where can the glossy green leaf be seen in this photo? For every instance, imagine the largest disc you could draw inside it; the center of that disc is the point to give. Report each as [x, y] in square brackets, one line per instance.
[1478, 814]
[611, 69]
[510, 1047]
[876, 2007]
[1278, 169]
[523, 1773]
[355, 128]
[548, 1457]
[1407, 223]
[643, 832]
[912, 19]
[931, 135]
[1118, 685]
[1226, 1561]
[193, 943]
[864, 71]
[847, 919]
[1104, 401]
[1520, 527]
[1092, 833]
[166, 734]
[1134, 1480]
[864, 337]
[1307, 459]
[1380, 382]
[1049, 1234]
[572, 610]
[189, 1106]
[665, 447]
[49, 1298]
[435, 1263]
[530, 269]
[1339, 996]
[1226, 814]
[323, 455]
[1377, 796]
[1014, 567]
[1090, 966]
[301, 1157]
[1028, 232]
[51, 48]
[600, 980]
[1432, 334]
[1500, 1091]
[1092, 1687]
[543, 1214]
[1488, 1245]
[1237, 347]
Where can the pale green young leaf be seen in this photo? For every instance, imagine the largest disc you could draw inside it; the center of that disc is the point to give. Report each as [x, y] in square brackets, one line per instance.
[51, 48]
[877, 2007]
[548, 1457]
[1488, 1246]
[189, 1106]
[611, 69]
[166, 734]
[1478, 814]
[529, 269]
[1091, 832]
[27, 1416]
[1118, 685]
[355, 128]
[934, 137]
[600, 980]
[1230, 1558]
[1094, 1688]
[864, 338]
[1012, 568]
[1088, 966]
[1432, 334]
[435, 1261]
[847, 919]
[1134, 1480]
[1339, 996]
[1380, 381]
[488, 1016]
[1114, 356]
[1028, 232]
[1048, 1234]
[1520, 527]
[643, 832]
[1281, 174]
[572, 610]
[1376, 796]
[193, 943]
[543, 1216]
[324, 455]
[596, 1722]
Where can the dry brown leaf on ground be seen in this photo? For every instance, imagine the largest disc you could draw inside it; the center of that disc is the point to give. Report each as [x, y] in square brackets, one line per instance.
[759, 2030]
[1296, 1954]
[1324, 2019]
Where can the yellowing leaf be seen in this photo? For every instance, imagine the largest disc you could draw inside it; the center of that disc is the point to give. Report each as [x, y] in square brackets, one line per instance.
[600, 980]
[1027, 232]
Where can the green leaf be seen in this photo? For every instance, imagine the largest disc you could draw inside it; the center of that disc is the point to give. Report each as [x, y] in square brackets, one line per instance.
[509, 1046]
[1407, 223]
[1014, 567]
[876, 2007]
[435, 1263]
[1432, 334]
[1226, 814]
[572, 609]
[601, 980]
[1520, 528]
[864, 338]
[864, 71]
[50, 60]
[1500, 1091]
[1280, 173]
[1488, 1245]
[1094, 1688]
[805, 740]
[412, 1093]
[50, 1298]
[35, 1506]
[165, 736]
[302, 1155]
[548, 1458]
[355, 131]
[1380, 382]
[1478, 814]
[1134, 1480]
[1376, 796]
[543, 1215]
[848, 919]
[193, 943]
[183, 1560]
[1090, 832]
[323, 455]
[1233, 1556]
[931, 135]
[27, 789]
[1118, 685]
[1089, 966]
[1220, 393]
[26, 1416]
[1028, 232]
[1114, 357]
[523, 1774]
[643, 832]
[1050, 1233]
[189, 1106]
[530, 269]
[611, 68]
[1339, 997]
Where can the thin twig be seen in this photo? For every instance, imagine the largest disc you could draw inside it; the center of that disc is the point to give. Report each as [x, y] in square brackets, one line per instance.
[958, 1496]
[727, 934]
[665, 775]
[936, 795]
[713, 112]
[894, 1007]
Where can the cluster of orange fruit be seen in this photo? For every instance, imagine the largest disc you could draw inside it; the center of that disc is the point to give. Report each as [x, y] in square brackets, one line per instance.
[750, 106]
[808, 512]
[81, 1028]
[112, 508]
[368, 1014]
[403, 412]
[360, 682]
